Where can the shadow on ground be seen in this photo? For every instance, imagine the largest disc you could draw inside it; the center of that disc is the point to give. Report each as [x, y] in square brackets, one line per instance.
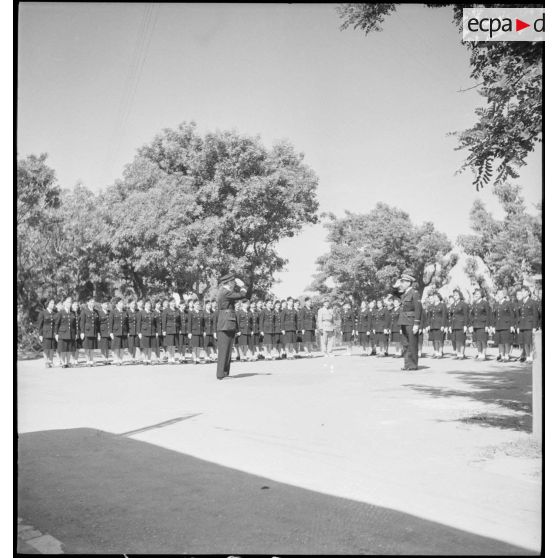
[510, 388]
[102, 493]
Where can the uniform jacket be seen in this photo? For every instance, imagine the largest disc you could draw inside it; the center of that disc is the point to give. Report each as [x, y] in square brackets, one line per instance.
[89, 322]
[394, 324]
[325, 319]
[438, 316]
[277, 321]
[118, 323]
[147, 323]
[46, 324]
[133, 322]
[504, 315]
[104, 324]
[460, 316]
[195, 322]
[244, 320]
[226, 318]
[528, 315]
[362, 321]
[480, 315]
[348, 320]
[158, 321]
[380, 320]
[65, 325]
[255, 321]
[289, 319]
[410, 312]
[267, 321]
[183, 321]
[307, 319]
[171, 321]
[209, 322]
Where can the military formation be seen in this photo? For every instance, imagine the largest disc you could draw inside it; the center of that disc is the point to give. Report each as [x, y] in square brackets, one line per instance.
[179, 330]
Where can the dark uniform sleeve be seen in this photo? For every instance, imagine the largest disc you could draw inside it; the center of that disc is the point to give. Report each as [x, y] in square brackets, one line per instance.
[418, 308]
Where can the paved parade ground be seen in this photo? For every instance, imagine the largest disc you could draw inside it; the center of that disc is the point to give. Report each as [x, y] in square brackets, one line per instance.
[344, 455]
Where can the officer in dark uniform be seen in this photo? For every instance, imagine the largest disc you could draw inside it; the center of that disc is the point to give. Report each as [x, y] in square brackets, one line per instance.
[528, 321]
[104, 330]
[380, 325]
[267, 327]
[289, 327]
[410, 316]
[348, 324]
[171, 329]
[277, 329]
[183, 335]
[503, 325]
[133, 329]
[459, 323]
[46, 328]
[147, 332]
[196, 332]
[76, 309]
[437, 323]
[480, 319]
[118, 326]
[230, 290]
[244, 333]
[89, 330]
[65, 332]
[307, 324]
[159, 339]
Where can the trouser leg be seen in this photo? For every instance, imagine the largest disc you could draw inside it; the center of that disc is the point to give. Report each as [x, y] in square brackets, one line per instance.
[225, 340]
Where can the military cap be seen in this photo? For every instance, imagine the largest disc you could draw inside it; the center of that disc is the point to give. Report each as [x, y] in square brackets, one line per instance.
[407, 277]
[226, 278]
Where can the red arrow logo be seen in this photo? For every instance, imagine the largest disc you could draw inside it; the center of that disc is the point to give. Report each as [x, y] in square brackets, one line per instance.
[519, 25]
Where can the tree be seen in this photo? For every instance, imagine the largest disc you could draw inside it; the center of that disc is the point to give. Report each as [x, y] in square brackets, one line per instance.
[510, 80]
[511, 248]
[189, 208]
[369, 251]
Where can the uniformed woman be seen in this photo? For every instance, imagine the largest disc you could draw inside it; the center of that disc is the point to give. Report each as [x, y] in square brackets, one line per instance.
[46, 327]
[208, 329]
[159, 339]
[183, 334]
[147, 332]
[347, 326]
[528, 321]
[308, 326]
[255, 338]
[460, 323]
[118, 325]
[437, 323]
[381, 323]
[104, 330]
[76, 309]
[244, 333]
[89, 330]
[289, 327]
[267, 326]
[395, 327]
[371, 318]
[503, 325]
[65, 330]
[133, 330]
[277, 329]
[480, 321]
[195, 332]
[449, 333]
[171, 329]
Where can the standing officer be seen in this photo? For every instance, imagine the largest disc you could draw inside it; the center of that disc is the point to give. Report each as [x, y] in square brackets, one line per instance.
[307, 325]
[118, 327]
[289, 327]
[196, 332]
[89, 328]
[104, 330]
[267, 326]
[208, 329]
[244, 333]
[503, 325]
[255, 338]
[460, 323]
[410, 317]
[46, 327]
[230, 290]
[437, 323]
[171, 329]
[133, 329]
[480, 319]
[65, 332]
[147, 331]
[527, 323]
[362, 326]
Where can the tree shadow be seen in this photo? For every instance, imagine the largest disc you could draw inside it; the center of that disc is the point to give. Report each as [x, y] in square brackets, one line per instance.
[509, 388]
[102, 493]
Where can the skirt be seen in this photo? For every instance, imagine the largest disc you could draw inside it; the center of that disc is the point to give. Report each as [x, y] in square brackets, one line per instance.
[380, 338]
[480, 335]
[133, 343]
[269, 338]
[436, 335]
[49, 344]
[182, 340]
[347, 336]
[525, 337]
[289, 337]
[503, 337]
[309, 336]
[244, 339]
[66, 345]
[89, 343]
[196, 340]
[363, 338]
[459, 336]
[148, 342]
[209, 340]
[299, 337]
[119, 342]
[171, 339]
[104, 344]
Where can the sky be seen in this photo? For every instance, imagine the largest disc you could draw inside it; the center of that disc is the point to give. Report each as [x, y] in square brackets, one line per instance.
[371, 113]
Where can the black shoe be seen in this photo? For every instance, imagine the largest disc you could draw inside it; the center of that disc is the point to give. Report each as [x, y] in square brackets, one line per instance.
[499, 357]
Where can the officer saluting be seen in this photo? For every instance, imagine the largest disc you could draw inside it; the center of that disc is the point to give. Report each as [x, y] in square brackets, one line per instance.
[230, 290]
[409, 319]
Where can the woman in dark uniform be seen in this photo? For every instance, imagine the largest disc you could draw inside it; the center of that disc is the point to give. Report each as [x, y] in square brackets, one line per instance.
[362, 326]
[171, 329]
[372, 309]
[76, 309]
[104, 330]
[395, 327]
[183, 333]
[449, 332]
[208, 328]
[289, 328]
[89, 330]
[503, 325]
[244, 333]
[147, 332]
[65, 330]
[480, 321]
[460, 323]
[380, 325]
[308, 326]
[195, 332]
[277, 329]
[159, 339]
[267, 326]
[118, 326]
[437, 323]
[46, 327]
[133, 329]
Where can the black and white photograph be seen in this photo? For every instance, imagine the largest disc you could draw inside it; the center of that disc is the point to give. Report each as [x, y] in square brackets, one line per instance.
[279, 279]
